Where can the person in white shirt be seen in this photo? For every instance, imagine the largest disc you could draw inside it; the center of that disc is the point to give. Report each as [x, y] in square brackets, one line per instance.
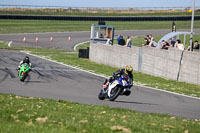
[152, 42]
[179, 45]
[128, 42]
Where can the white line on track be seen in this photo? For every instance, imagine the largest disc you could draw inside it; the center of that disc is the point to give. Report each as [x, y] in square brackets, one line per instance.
[79, 44]
[103, 76]
[9, 44]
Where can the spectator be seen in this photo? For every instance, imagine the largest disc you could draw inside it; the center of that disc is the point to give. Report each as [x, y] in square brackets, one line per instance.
[165, 45]
[118, 38]
[122, 41]
[152, 42]
[129, 42]
[172, 42]
[195, 45]
[146, 39]
[179, 45]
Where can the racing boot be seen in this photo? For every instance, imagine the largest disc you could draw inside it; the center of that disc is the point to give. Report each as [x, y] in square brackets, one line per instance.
[105, 85]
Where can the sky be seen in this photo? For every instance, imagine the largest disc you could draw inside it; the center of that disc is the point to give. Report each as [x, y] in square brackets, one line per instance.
[104, 3]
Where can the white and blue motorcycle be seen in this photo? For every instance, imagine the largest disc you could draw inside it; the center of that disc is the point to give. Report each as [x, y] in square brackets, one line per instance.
[120, 86]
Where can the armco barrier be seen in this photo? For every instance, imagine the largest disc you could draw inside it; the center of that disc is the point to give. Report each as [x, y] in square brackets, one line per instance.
[171, 64]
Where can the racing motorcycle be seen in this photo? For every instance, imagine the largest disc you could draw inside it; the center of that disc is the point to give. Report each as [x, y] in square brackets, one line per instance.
[23, 71]
[120, 86]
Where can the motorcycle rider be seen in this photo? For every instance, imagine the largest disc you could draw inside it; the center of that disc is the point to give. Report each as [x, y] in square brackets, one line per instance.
[25, 60]
[127, 70]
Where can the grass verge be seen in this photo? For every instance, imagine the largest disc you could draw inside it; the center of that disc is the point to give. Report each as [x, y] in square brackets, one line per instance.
[33, 115]
[35, 26]
[139, 78]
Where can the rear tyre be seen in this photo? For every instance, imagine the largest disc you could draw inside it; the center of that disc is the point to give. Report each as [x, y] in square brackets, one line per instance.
[114, 93]
[101, 95]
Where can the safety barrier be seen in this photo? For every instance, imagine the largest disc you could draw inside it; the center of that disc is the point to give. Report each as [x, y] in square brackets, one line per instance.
[171, 64]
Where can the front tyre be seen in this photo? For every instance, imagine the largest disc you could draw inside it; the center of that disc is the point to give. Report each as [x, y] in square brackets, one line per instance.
[114, 93]
[24, 75]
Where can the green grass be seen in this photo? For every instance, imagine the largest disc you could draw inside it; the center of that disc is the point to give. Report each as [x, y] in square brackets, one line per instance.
[33, 115]
[35, 26]
[99, 13]
[139, 78]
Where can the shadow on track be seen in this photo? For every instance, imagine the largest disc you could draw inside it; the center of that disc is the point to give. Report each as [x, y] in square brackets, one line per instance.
[28, 79]
[128, 102]
[26, 82]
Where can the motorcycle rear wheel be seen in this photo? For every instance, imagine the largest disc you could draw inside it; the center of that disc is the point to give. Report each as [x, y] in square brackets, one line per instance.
[101, 95]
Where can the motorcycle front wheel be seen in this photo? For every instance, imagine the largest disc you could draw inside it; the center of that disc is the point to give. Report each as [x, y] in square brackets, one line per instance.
[114, 93]
[24, 75]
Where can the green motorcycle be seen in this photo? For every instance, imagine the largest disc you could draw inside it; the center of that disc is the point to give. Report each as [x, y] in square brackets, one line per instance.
[23, 71]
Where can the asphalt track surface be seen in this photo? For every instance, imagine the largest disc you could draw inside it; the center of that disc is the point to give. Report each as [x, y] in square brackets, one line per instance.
[52, 80]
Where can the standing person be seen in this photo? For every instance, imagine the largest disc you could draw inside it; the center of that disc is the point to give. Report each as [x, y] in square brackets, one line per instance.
[179, 45]
[152, 42]
[118, 38]
[172, 42]
[122, 41]
[165, 45]
[129, 42]
[146, 42]
[195, 45]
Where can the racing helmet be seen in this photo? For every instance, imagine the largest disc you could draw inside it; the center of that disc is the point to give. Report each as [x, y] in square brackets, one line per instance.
[128, 69]
[26, 59]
